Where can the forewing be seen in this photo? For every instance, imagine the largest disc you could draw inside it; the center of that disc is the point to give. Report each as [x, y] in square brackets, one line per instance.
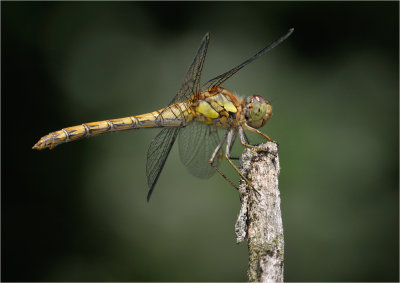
[219, 80]
[161, 145]
[197, 143]
[191, 82]
[157, 154]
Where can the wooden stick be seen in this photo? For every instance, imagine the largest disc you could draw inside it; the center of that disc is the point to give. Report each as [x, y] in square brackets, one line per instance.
[260, 220]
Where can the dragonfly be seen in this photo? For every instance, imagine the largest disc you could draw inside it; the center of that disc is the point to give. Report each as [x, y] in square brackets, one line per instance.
[193, 116]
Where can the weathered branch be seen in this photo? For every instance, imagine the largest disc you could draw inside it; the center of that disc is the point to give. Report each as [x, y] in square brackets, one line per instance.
[260, 220]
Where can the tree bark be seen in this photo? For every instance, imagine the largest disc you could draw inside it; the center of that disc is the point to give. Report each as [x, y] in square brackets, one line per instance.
[260, 220]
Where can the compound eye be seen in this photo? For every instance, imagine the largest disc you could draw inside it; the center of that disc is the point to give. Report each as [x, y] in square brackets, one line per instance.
[259, 110]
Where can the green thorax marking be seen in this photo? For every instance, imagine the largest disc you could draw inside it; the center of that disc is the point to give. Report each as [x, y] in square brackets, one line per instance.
[213, 107]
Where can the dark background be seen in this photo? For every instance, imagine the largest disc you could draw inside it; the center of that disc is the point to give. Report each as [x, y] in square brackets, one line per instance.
[79, 212]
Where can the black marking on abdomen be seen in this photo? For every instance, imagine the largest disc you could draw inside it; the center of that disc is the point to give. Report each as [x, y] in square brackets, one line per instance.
[110, 125]
[133, 123]
[66, 135]
[87, 129]
[157, 120]
[116, 125]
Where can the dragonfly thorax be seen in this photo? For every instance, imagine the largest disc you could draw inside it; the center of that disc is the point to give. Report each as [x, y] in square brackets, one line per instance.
[257, 111]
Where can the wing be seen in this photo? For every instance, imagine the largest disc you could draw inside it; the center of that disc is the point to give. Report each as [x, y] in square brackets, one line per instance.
[219, 80]
[197, 142]
[157, 154]
[161, 145]
[191, 83]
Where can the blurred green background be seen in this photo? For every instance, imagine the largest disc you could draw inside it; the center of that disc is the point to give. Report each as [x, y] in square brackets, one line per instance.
[79, 213]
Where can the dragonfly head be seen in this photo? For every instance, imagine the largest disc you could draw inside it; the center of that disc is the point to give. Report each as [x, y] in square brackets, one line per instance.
[257, 111]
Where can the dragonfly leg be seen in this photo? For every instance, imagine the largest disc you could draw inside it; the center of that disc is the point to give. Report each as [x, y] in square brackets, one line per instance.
[243, 138]
[244, 142]
[231, 146]
[229, 142]
[214, 156]
[251, 129]
[247, 141]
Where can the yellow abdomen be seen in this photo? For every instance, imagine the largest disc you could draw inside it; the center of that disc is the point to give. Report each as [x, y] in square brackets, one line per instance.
[176, 115]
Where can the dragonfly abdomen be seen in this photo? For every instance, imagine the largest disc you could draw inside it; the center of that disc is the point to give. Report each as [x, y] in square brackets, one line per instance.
[176, 115]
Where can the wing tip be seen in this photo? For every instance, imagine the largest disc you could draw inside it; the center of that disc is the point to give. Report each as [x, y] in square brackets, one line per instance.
[284, 37]
[151, 188]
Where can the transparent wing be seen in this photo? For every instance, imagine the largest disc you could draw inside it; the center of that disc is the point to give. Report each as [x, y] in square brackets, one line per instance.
[191, 83]
[157, 154]
[161, 145]
[219, 80]
[197, 142]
